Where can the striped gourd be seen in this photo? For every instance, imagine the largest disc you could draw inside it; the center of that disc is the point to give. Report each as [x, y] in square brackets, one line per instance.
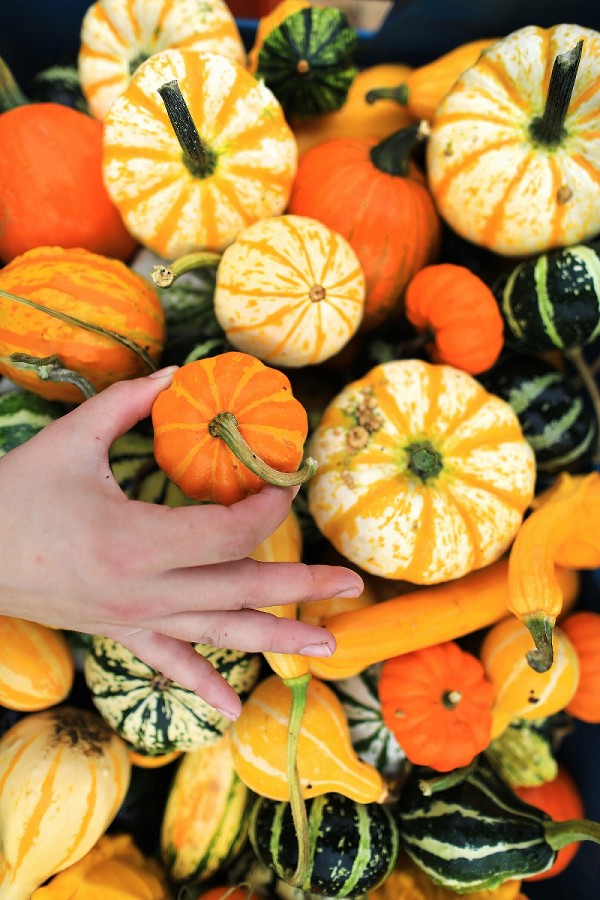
[63, 775]
[552, 300]
[205, 821]
[116, 36]
[476, 833]
[36, 665]
[23, 414]
[137, 473]
[372, 740]
[153, 713]
[353, 846]
[556, 421]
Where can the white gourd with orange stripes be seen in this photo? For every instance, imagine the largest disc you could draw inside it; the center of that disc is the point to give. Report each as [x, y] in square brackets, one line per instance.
[63, 776]
[117, 35]
[36, 665]
[251, 154]
[290, 291]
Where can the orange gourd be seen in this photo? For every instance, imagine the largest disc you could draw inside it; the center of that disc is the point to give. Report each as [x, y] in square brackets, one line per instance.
[583, 630]
[36, 665]
[458, 312]
[437, 702]
[229, 401]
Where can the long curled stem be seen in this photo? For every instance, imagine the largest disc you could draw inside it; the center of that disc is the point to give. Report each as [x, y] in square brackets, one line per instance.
[298, 686]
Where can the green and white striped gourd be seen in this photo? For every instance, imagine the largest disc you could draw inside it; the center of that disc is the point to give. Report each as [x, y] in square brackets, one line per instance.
[372, 740]
[475, 834]
[23, 414]
[135, 469]
[153, 713]
[353, 846]
[556, 421]
[552, 300]
[308, 61]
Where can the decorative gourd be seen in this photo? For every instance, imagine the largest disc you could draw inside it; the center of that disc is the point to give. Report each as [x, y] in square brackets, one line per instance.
[51, 166]
[289, 291]
[316, 612]
[370, 192]
[136, 471]
[114, 869]
[353, 846]
[228, 424]
[423, 475]
[238, 160]
[425, 86]
[560, 799]
[326, 760]
[23, 414]
[205, 821]
[523, 754]
[63, 775]
[582, 628]
[100, 320]
[36, 665]
[522, 692]
[484, 834]
[153, 713]
[437, 702]
[512, 162]
[268, 22]
[59, 84]
[116, 37]
[307, 60]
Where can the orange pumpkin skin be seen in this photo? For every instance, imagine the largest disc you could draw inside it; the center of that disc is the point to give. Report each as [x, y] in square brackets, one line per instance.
[583, 630]
[270, 419]
[461, 311]
[97, 290]
[51, 188]
[562, 800]
[390, 221]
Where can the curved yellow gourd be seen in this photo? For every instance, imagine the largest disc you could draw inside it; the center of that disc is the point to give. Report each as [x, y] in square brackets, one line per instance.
[36, 665]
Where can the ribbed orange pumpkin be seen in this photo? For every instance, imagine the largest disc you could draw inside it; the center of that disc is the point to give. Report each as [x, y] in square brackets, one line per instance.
[100, 293]
[36, 665]
[583, 630]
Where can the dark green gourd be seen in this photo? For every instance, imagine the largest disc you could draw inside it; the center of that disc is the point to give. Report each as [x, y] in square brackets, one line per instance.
[307, 61]
[476, 833]
[22, 415]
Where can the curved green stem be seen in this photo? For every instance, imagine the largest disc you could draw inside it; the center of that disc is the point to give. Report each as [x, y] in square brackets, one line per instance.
[164, 276]
[424, 460]
[549, 128]
[225, 426]
[88, 326]
[392, 154]
[429, 786]
[586, 373]
[399, 94]
[196, 155]
[298, 686]
[560, 834]
[540, 627]
[50, 368]
[11, 94]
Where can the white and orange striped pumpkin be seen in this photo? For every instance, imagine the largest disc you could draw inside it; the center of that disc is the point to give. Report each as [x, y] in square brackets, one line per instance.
[248, 154]
[290, 291]
[36, 665]
[498, 179]
[118, 35]
[63, 776]
[423, 475]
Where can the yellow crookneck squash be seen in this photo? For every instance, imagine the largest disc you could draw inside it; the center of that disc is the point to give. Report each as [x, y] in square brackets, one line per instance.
[422, 474]
[195, 150]
[513, 158]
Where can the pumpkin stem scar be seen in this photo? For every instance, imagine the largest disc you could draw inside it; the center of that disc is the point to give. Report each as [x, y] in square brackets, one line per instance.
[224, 425]
[302, 66]
[196, 155]
[540, 627]
[50, 368]
[451, 699]
[423, 460]
[317, 293]
[549, 128]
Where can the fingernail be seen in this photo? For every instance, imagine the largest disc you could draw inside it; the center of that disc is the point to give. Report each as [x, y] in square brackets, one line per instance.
[349, 592]
[228, 713]
[163, 373]
[316, 650]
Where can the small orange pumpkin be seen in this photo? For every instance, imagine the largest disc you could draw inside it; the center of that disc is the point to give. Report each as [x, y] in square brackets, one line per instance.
[583, 630]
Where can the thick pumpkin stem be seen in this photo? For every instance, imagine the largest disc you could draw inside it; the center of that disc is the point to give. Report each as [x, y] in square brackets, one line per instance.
[11, 94]
[392, 154]
[299, 688]
[225, 426]
[164, 276]
[540, 627]
[423, 460]
[50, 368]
[196, 155]
[578, 360]
[560, 834]
[399, 94]
[549, 128]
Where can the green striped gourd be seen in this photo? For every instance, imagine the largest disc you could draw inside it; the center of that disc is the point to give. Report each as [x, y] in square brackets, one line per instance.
[353, 846]
[307, 61]
[205, 821]
[475, 833]
[23, 414]
[153, 713]
[136, 471]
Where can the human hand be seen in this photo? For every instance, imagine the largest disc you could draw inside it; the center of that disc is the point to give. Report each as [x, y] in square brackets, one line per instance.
[76, 553]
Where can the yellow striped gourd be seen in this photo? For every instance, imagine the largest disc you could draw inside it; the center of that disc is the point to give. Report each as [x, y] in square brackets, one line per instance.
[36, 665]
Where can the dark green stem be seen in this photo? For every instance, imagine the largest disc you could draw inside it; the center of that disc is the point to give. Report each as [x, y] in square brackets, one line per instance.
[560, 834]
[392, 154]
[540, 627]
[225, 426]
[164, 276]
[399, 94]
[429, 786]
[423, 460]
[50, 368]
[11, 94]
[299, 687]
[196, 155]
[586, 373]
[549, 128]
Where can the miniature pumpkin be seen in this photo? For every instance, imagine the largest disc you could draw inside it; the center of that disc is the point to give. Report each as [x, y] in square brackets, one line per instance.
[437, 702]
[117, 36]
[290, 291]
[192, 175]
[583, 630]
[267, 23]
[423, 475]
[460, 312]
[512, 159]
[36, 666]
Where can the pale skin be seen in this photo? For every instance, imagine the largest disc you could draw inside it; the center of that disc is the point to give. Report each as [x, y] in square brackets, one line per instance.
[76, 553]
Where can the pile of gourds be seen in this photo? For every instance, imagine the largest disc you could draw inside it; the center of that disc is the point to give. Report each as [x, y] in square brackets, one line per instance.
[381, 285]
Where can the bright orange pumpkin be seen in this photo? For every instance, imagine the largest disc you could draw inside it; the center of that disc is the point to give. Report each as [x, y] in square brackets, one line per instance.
[583, 630]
